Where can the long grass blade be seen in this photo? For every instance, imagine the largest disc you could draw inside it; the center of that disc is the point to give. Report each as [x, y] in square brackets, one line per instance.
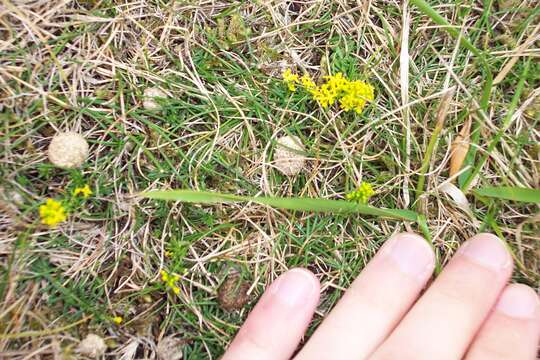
[526, 195]
[292, 203]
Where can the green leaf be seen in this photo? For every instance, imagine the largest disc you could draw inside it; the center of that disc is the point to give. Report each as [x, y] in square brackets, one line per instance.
[297, 204]
[511, 193]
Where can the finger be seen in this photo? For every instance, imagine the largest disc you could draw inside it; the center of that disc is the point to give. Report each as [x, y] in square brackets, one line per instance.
[444, 320]
[275, 326]
[513, 328]
[375, 302]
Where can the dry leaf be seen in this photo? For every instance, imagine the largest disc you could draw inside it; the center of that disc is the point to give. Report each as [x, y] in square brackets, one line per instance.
[459, 148]
[444, 105]
[288, 157]
[458, 196]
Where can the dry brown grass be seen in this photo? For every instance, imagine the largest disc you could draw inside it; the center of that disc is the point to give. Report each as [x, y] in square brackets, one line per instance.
[83, 66]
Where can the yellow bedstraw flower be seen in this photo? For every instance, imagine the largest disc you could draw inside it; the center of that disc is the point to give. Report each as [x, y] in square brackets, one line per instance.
[356, 95]
[290, 79]
[170, 281]
[52, 213]
[325, 95]
[307, 82]
[362, 195]
[85, 191]
[352, 95]
[117, 320]
[337, 83]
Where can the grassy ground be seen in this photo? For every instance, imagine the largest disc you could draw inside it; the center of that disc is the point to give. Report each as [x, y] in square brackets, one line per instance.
[84, 65]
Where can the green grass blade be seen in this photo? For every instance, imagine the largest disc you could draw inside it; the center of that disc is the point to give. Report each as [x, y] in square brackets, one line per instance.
[297, 204]
[511, 193]
[438, 19]
[191, 196]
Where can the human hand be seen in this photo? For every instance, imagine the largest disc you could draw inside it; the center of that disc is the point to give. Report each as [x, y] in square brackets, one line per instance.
[468, 312]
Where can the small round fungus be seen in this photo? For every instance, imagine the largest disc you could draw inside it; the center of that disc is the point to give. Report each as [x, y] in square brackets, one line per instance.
[92, 346]
[68, 150]
[150, 95]
[288, 156]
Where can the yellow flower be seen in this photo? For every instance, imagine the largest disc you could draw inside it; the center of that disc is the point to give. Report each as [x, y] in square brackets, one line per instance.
[356, 95]
[164, 275]
[352, 95]
[52, 213]
[362, 195]
[325, 95]
[307, 82]
[170, 281]
[118, 320]
[337, 83]
[290, 79]
[85, 191]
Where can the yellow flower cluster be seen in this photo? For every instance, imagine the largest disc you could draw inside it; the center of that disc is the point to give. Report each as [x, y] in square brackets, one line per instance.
[351, 95]
[84, 191]
[356, 95]
[290, 79]
[170, 281]
[52, 213]
[117, 320]
[308, 83]
[362, 195]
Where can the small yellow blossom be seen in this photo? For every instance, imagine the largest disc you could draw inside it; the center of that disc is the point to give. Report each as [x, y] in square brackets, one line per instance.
[170, 281]
[85, 191]
[356, 95]
[117, 320]
[337, 83]
[362, 195]
[52, 213]
[307, 82]
[325, 95]
[351, 95]
[290, 79]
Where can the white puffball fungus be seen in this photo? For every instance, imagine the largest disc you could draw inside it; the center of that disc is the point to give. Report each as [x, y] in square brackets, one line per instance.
[288, 156]
[68, 150]
[92, 346]
[170, 348]
[150, 95]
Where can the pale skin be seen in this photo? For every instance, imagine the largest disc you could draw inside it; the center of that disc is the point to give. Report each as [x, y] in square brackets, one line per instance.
[470, 311]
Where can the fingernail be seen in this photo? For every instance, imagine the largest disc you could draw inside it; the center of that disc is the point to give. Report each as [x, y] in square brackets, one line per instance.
[518, 301]
[295, 287]
[487, 250]
[412, 254]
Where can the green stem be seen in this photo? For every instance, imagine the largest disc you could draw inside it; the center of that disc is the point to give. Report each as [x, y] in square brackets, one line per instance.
[43, 332]
[425, 162]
